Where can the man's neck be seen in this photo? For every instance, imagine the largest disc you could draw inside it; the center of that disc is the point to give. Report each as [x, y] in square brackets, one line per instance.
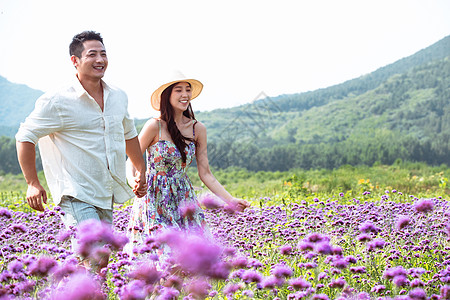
[91, 86]
[94, 88]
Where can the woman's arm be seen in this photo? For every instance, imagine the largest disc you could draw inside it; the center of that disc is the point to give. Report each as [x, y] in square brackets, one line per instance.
[204, 171]
[147, 137]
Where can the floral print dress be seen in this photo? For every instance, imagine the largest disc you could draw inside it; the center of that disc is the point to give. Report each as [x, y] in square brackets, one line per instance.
[169, 194]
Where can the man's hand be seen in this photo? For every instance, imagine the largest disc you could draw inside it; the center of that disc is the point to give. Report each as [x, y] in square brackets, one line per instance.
[140, 188]
[36, 194]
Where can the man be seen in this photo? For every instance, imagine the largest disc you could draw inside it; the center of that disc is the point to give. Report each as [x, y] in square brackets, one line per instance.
[84, 132]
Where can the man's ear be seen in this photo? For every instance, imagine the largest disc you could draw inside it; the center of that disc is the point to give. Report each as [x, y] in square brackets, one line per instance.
[75, 61]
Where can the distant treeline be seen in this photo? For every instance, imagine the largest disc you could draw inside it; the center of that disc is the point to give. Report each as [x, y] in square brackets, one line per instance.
[8, 157]
[379, 146]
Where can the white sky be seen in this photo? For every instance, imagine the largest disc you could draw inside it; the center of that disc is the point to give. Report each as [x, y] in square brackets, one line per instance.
[237, 48]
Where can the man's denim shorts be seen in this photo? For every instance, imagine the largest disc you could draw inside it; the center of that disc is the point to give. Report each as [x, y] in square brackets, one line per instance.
[77, 211]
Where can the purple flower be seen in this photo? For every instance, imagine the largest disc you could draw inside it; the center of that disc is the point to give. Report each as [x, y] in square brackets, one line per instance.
[248, 293]
[316, 238]
[199, 288]
[19, 228]
[285, 249]
[368, 227]
[134, 290]
[320, 297]
[340, 263]
[447, 229]
[351, 259]
[363, 296]
[337, 250]
[424, 205]
[363, 237]
[63, 235]
[358, 270]
[64, 270]
[146, 272]
[15, 267]
[303, 246]
[254, 263]
[4, 212]
[324, 248]
[299, 283]
[195, 253]
[395, 271]
[168, 293]
[271, 282]
[378, 289]
[173, 281]
[26, 286]
[416, 283]
[93, 233]
[42, 266]
[445, 292]
[239, 262]
[400, 280]
[232, 288]
[80, 286]
[237, 273]
[251, 276]
[210, 202]
[322, 275]
[376, 243]
[402, 222]
[338, 283]
[310, 265]
[417, 294]
[188, 210]
[220, 270]
[281, 271]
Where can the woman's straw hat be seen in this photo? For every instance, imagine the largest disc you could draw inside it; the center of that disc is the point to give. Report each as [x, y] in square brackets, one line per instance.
[196, 88]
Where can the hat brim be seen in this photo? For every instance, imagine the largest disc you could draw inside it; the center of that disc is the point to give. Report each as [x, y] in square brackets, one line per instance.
[196, 89]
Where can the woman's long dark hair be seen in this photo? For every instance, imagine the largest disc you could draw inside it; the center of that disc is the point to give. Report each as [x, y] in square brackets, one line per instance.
[166, 109]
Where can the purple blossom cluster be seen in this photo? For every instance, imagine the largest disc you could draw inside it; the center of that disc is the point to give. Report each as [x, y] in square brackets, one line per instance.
[312, 249]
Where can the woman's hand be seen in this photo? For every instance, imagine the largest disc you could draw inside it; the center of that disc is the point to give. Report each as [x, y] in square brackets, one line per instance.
[238, 204]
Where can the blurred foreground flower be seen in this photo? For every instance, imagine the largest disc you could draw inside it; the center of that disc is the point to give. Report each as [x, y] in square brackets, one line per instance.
[93, 234]
[193, 252]
[79, 286]
[210, 201]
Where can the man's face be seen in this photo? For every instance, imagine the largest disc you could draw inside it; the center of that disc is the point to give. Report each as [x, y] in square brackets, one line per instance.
[93, 61]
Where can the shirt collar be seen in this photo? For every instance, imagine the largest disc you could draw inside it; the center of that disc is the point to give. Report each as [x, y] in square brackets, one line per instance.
[80, 91]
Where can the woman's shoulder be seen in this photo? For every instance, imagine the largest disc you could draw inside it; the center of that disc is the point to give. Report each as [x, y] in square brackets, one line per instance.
[152, 125]
[198, 124]
[153, 122]
[200, 128]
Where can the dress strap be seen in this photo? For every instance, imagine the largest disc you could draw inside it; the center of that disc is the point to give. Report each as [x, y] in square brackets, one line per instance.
[159, 126]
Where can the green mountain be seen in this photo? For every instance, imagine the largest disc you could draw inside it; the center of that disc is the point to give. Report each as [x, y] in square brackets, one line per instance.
[398, 112]
[17, 101]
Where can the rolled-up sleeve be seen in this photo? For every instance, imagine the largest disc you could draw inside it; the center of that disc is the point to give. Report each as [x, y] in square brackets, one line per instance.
[129, 128]
[44, 120]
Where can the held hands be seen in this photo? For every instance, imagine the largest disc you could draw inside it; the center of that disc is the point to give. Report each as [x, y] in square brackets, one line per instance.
[140, 187]
[35, 195]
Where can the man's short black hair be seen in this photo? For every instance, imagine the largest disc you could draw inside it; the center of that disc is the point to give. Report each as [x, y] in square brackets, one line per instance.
[76, 46]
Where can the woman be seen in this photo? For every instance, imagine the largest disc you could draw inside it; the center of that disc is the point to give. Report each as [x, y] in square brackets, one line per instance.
[171, 142]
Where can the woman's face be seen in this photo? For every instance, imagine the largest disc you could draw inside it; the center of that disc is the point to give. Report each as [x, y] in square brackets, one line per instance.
[181, 96]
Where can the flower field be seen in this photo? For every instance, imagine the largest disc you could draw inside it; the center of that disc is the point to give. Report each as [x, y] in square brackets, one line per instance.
[370, 244]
